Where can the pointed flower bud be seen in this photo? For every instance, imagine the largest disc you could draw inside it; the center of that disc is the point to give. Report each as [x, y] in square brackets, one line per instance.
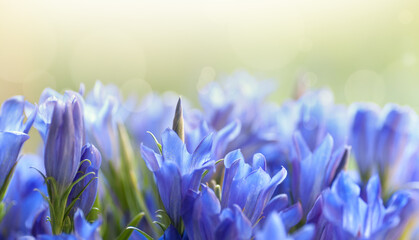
[178, 121]
[87, 198]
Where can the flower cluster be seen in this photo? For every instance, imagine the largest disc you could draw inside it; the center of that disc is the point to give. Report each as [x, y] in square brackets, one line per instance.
[239, 167]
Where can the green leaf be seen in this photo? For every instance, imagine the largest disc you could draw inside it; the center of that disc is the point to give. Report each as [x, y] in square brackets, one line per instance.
[128, 231]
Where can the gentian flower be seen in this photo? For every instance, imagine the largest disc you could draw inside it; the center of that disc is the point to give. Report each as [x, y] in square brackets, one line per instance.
[382, 139]
[204, 218]
[344, 212]
[88, 195]
[319, 116]
[47, 103]
[176, 170]
[314, 171]
[246, 191]
[13, 133]
[64, 142]
[248, 186]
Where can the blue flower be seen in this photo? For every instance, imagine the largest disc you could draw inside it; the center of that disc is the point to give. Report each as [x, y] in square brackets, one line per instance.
[274, 228]
[343, 212]
[13, 133]
[248, 186]
[382, 140]
[319, 116]
[65, 139]
[314, 171]
[85, 230]
[22, 202]
[176, 170]
[88, 196]
[204, 218]
[47, 103]
[245, 198]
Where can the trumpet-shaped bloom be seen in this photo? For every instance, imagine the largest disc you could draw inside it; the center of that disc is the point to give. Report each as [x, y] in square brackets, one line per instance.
[64, 142]
[319, 117]
[314, 171]
[204, 218]
[246, 196]
[343, 212]
[380, 139]
[87, 198]
[176, 170]
[248, 186]
[13, 132]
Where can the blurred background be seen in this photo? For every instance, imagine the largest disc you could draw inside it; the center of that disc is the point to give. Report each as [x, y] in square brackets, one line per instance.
[362, 50]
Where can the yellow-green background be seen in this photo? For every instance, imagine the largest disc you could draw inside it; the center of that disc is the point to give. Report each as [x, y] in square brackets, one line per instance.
[362, 50]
